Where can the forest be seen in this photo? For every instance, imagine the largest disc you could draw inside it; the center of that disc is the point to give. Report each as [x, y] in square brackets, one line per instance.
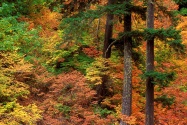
[93, 62]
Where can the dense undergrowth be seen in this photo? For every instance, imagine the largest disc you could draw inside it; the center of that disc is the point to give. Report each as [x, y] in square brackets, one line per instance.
[45, 79]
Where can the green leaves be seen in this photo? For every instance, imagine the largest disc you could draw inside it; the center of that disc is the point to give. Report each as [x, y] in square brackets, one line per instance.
[14, 36]
[103, 112]
[7, 9]
[79, 23]
[117, 9]
[64, 109]
[171, 36]
[165, 100]
[183, 11]
[180, 1]
[162, 34]
[162, 79]
[8, 34]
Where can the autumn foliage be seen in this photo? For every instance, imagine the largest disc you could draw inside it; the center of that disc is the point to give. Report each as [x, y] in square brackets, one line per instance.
[49, 80]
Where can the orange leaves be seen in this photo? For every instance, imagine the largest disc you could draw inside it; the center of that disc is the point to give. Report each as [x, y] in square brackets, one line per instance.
[70, 90]
[135, 76]
[119, 76]
[91, 51]
[176, 112]
[112, 101]
[183, 27]
[162, 20]
[48, 20]
[129, 119]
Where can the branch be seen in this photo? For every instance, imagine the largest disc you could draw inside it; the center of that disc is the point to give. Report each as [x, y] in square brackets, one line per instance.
[113, 44]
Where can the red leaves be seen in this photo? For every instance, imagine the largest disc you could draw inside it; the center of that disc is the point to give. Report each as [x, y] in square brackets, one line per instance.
[91, 51]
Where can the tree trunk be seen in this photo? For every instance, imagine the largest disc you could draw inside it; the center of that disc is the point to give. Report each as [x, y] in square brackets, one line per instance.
[102, 89]
[108, 33]
[127, 88]
[150, 66]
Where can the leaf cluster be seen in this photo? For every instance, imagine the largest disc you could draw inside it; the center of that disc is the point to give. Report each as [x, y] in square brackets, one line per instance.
[170, 36]
[103, 112]
[180, 1]
[11, 89]
[15, 41]
[172, 14]
[97, 70]
[71, 58]
[64, 109]
[15, 36]
[21, 7]
[165, 100]
[183, 11]
[75, 24]
[161, 79]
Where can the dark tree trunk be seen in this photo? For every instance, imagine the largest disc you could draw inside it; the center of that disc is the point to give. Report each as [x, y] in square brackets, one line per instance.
[127, 88]
[108, 33]
[102, 91]
[150, 66]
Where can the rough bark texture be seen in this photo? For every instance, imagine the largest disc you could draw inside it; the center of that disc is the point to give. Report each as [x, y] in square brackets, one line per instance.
[108, 33]
[127, 88]
[150, 66]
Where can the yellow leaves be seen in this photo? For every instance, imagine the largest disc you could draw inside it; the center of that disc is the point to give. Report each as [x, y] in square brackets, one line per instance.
[183, 27]
[19, 114]
[97, 80]
[6, 108]
[23, 66]
[9, 86]
[11, 60]
[97, 70]
[182, 24]
[11, 112]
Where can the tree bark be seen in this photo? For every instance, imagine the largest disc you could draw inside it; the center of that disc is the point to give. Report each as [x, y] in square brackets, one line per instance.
[150, 67]
[102, 89]
[108, 33]
[127, 87]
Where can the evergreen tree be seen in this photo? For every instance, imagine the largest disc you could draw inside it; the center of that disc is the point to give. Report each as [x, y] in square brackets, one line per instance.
[150, 66]
[127, 84]
[125, 8]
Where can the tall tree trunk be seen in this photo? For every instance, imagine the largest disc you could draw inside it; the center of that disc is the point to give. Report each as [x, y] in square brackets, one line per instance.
[127, 88]
[150, 66]
[108, 33]
[102, 89]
